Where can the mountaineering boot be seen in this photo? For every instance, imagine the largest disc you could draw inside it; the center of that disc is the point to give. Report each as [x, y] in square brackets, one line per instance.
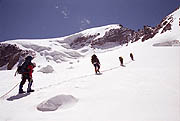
[21, 91]
[31, 90]
[98, 71]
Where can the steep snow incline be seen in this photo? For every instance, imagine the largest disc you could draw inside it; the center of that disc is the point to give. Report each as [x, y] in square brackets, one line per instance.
[170, 37]
[147, 89]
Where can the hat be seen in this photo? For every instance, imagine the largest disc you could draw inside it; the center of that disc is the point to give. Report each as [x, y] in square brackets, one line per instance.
[28, 58]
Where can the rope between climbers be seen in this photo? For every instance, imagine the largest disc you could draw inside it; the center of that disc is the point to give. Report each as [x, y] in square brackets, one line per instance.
[9, 91]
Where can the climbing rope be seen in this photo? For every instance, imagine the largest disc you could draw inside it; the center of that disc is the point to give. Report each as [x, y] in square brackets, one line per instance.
[84, 76]
[9, 91]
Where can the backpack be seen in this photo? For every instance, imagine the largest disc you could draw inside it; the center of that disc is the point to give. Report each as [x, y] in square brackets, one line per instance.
[22, 68]
[19, 70]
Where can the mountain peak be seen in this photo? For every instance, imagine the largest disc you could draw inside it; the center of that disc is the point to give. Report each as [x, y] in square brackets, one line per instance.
[76, 45]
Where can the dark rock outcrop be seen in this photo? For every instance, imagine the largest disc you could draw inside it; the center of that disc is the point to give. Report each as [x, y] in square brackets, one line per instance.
[10, 54]
[122, 35]
[166, 24]
[119, 36]
[82, 41]
[116, 37]
[148, 32]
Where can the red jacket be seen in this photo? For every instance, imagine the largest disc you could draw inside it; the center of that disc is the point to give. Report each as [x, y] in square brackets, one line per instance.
[30, 70]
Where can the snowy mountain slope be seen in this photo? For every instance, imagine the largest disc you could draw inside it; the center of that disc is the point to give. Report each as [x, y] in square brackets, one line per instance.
[146, 89]
[57, 50]
[169, 33]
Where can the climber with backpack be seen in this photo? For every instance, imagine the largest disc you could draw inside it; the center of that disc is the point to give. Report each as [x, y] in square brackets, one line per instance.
[96, 63]
[26, 70]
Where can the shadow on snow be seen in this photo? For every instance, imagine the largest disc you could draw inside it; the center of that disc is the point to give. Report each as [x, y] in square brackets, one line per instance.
[18, 96]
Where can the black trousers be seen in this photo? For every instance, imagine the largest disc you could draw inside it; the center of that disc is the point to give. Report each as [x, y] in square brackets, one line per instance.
[24, 78]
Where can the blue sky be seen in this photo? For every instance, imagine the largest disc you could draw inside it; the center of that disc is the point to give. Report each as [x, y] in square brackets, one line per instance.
[57, 18]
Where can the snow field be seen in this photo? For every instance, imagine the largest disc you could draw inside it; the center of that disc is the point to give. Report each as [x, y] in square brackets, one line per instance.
[147, 89]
